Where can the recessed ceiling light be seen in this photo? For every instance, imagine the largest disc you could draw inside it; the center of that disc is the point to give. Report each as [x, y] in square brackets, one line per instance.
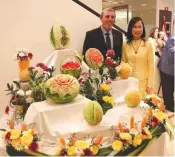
[143, 5]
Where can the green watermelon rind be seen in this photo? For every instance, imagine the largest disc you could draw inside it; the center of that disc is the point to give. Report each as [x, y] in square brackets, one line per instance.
[56, 98]
[56, 37]
[74, 72]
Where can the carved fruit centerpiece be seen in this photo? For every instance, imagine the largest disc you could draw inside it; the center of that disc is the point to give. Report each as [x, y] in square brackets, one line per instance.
[71, 65]
[61, 88]
[94, 58]
[23, 57]
[59, 36]
[133, 98]
[125, 70]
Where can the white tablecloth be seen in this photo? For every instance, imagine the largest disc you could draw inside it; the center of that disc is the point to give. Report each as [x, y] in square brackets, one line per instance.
[63, 120]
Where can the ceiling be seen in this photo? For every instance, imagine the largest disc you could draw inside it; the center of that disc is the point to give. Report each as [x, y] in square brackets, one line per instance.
[133, 4]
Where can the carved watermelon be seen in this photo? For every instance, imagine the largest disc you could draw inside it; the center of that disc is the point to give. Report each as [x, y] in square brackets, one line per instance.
[93, 113]
[61, 88]
[59, 37]
[94, 58]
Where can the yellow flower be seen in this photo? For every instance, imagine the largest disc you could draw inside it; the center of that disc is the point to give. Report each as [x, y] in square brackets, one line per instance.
[94, 149]
[161, 116]
[32, 131]
[117, 145]
[71, 151]
[59, 149]
[15, 134]
[137, 140]
[29, 132]
[125, 136]
[26, 139]
[16, 142]
[109, 99]
[81, 144]
[148, 133]
[104, 87]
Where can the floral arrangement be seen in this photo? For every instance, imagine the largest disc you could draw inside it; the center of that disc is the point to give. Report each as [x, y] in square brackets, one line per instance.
[95, 88]
[20, 98]
[18, 95]
[61, 88]
[23, 94]
[104, 97]
[21, 139]
[38, 77]
[78, 147]
[111, 64]
[71, 66]
[23, 55]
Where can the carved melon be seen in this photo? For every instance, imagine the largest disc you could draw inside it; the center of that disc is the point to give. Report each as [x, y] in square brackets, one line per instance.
[125, 70]
[59, 37]
[93, 113]
[133, 98]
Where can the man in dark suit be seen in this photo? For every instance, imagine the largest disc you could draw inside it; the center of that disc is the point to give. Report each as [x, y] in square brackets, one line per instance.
[105, 37]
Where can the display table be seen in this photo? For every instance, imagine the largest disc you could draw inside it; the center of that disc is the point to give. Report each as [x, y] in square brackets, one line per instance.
[69, 120]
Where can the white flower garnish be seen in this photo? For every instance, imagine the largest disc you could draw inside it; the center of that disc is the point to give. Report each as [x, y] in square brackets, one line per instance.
[29, 100]
[20, 92]
[118, 68]
[28, 93]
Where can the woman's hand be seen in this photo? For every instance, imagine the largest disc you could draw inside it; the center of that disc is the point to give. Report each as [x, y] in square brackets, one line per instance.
[149, 90]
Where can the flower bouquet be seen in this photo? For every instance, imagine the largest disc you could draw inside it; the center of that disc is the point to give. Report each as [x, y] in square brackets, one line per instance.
[72, 66]
[20, 99]
[38, 77]
[61, 88]
[21, 139]
[95, 88]
[22, 142]
[76, 147]
[111, 64]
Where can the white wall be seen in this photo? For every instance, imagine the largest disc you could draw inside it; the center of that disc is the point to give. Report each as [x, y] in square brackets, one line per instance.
[161, 4]
[27, 23]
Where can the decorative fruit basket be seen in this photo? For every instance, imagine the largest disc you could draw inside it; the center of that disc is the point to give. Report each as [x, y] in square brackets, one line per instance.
[71, 65]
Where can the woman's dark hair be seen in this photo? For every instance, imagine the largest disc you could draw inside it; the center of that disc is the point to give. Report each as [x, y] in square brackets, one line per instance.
[152, 31]
[131, 25]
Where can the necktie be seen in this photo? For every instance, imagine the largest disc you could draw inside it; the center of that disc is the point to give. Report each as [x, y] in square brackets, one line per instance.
[108, 41]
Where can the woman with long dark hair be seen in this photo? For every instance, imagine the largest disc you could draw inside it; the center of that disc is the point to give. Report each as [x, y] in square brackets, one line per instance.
[139, 52]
